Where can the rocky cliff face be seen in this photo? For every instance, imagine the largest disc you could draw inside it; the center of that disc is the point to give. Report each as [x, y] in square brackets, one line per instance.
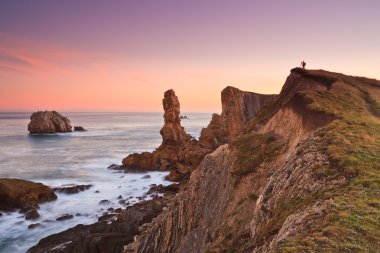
[238, 107]
[301, 178]
[179, 152]
[48, 122]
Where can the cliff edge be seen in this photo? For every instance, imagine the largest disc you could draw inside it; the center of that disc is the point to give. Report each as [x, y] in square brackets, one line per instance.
[301, 176]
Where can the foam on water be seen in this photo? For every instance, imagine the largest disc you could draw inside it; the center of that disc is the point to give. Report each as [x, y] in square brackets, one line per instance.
[78, 158]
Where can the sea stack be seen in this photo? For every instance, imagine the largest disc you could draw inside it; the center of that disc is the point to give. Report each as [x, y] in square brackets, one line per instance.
[48, 122]
[174, 137]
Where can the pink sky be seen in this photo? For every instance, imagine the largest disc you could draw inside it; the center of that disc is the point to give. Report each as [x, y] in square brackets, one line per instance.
[122, 56]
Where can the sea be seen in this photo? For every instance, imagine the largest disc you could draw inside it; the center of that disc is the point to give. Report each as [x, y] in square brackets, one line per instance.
[79, 158]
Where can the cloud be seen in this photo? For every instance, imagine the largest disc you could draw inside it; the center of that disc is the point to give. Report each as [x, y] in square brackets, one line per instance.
[28, 56]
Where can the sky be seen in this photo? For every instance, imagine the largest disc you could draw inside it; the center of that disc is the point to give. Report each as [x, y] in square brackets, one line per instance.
[114, 55]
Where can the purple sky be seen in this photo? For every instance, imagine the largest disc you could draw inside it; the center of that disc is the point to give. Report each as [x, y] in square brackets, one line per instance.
[134, 47]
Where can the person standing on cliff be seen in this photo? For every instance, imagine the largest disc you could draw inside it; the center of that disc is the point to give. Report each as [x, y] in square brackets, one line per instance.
[303, 64]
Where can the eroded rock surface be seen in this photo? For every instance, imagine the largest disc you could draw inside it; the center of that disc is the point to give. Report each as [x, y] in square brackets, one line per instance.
[18, 193]
[238, 107]
[48, 122]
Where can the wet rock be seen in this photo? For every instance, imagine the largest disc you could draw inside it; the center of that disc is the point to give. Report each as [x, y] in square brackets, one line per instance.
[104, 202]
[111, 209]
[116, 167]
[120, 197]
[108, 235]
[1, 214]
[18, 193]
[32, 215]
[34, 225]
[65, 217]
[97, 191]
[122, 202]
[106, 217]
[146, 176]
[27, 209]
[48, 122]
[79, 128]
[72, 189]
[169, 189]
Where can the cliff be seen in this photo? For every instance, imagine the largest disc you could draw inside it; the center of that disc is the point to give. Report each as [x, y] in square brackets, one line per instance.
[238, 107]
[179, 153]
[301, 175]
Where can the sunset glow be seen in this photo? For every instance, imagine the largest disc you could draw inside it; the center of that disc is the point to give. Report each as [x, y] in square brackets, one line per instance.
[122, 55]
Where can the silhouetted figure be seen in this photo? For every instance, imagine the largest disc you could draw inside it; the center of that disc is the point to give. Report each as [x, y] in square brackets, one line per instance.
[303, 64]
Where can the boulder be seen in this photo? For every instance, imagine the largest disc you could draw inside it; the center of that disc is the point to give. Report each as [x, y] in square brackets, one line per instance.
[65, 217]
[48, 122]
[18, 193]
[79, 129]
[32, 215]
[34, 225]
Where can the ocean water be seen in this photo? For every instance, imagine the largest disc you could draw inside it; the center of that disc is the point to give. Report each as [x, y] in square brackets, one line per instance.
[78, 158]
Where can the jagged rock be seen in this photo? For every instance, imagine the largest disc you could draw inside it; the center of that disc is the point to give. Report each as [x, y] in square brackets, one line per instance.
[177, 148]
[79, 129]
[238, 107]
[18, 193]
[174, 137]
[48, 122]
[71, 189]
[215, 134]
[139, 162]
[169, 189]
[109, 235]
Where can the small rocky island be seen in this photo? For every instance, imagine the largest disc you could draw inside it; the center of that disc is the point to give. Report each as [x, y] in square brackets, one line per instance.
[47, 122]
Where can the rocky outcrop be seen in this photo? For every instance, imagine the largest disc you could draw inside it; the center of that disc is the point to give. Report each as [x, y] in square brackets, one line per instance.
[215, 134]
[276, 178]
[108, 235]
[48, 122]
[18, 193]
[174, 137]
[178, 153]
[238, 107]
[72, 189]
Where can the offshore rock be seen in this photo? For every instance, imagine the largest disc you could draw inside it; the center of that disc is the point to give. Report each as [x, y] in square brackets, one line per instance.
[48, 122]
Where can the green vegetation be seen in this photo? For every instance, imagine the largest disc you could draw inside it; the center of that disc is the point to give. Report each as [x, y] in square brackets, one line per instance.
[253, 149]
[352, 142]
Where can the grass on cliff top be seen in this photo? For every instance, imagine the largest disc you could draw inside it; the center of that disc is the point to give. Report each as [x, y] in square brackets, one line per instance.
[253, 149]
[353, 144]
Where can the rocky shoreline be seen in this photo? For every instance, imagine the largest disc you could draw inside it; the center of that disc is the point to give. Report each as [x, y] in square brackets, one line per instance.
[179, 154]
